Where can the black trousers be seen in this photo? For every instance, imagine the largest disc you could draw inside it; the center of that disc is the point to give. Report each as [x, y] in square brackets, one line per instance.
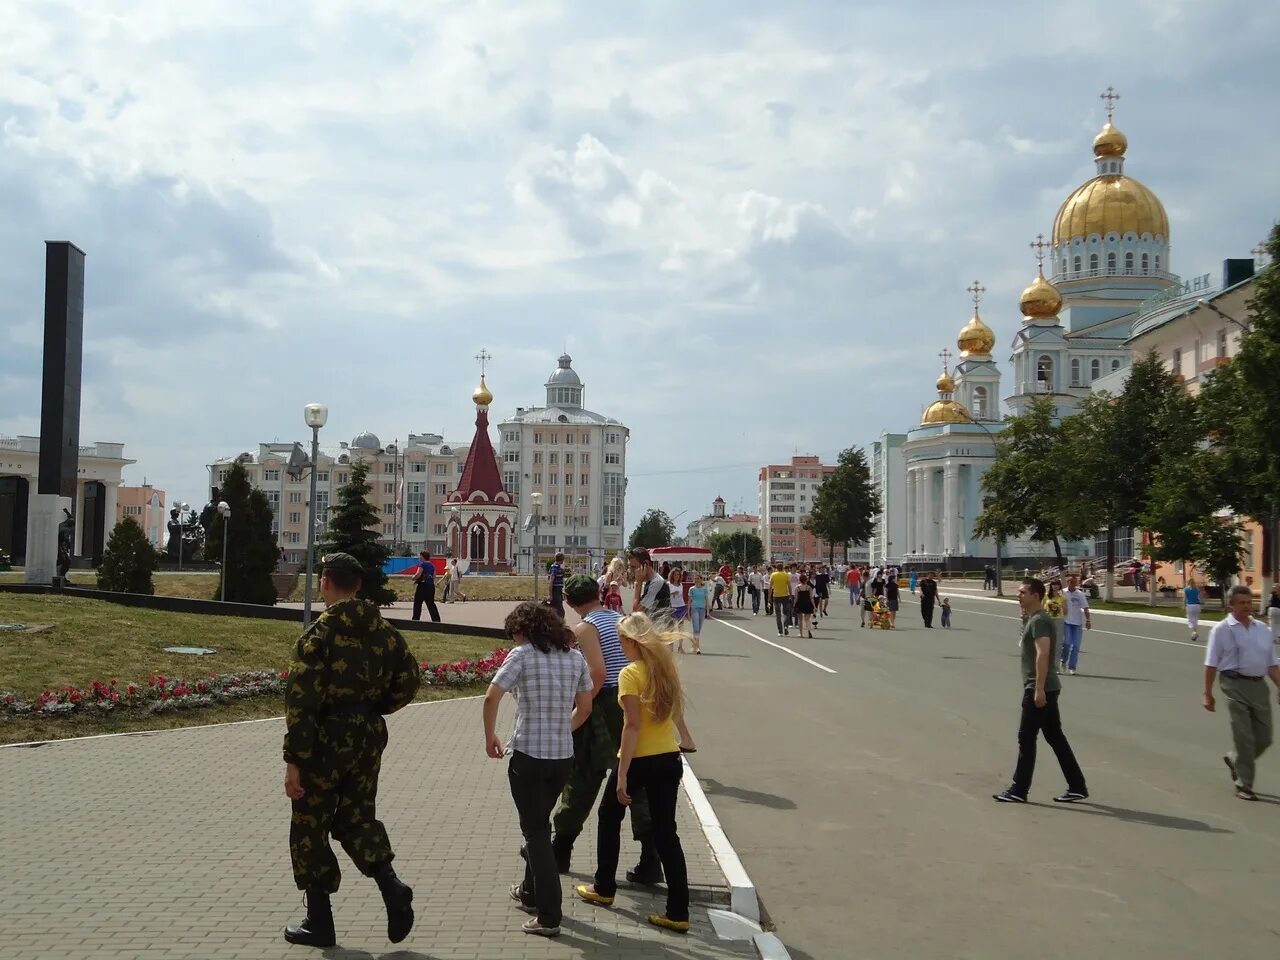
[1046, 720]
[557, 602]
[658, 777]
[425, 593]
[535, 787]
[926, 611]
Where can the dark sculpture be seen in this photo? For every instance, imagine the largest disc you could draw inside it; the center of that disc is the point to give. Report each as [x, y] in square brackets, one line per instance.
[184, 529]
[66, 538]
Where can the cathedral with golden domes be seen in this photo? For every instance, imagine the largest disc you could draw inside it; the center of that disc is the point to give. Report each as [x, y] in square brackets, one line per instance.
[1109, 252]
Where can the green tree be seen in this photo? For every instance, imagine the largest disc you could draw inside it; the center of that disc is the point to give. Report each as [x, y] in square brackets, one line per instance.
[1115, 447]
[1219, 550]
[1023, 486]
[353, 528]
[734, 548]
[252, 551]
[845, 504]
[655, 529]
[1240, 405]
[128, 561]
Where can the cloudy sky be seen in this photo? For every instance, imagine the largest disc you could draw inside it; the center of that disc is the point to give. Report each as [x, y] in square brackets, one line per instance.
[751, 223]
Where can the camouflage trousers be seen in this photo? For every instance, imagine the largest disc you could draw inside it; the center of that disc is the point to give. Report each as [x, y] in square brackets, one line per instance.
[341, 795]
[595, 754]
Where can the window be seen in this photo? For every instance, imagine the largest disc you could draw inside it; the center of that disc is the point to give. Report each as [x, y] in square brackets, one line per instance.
[295, 516]
[222, 475]
[415, 507]
[584, 459]
[583, 501]
[511, 480]
[442, 469]
[1095, 369]
[613, 438]
[294, 497]
[1044, 372]
[1111, 263]
[389, 466]
[568, 459]
[555, 438]
[1075, 264]
[1093, 263]
[1146, 263]
[612, 458]
[980, 403]
[555, 479]
[537, 456]
[537, 438]
[537, 477]
[389, 509]
[439, 511]
[417, 466]
[511, 456]
[553, 458]
[568, 438]
[1222, 342]
[1075, 371]
[389, 487]
[1157, 263]
[1175, 362]
[614, 490]
[554, 500]
[294, 537]
[1128, 263]
[1062, 268]
[584, 479]
[322, 476]
[270, 475]
[1115, 365]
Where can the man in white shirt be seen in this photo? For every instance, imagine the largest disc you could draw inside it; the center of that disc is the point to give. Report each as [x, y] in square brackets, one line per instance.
[1076, 620]
[1242, 653]
[755, 582]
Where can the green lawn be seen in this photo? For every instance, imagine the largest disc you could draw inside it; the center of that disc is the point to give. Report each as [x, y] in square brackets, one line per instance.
[96, 640]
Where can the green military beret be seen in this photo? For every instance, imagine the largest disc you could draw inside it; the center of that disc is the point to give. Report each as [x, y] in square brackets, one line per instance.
[580, 588]
[342, 562]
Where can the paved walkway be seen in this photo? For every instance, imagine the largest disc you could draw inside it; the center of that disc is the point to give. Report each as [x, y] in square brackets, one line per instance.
[174, 845]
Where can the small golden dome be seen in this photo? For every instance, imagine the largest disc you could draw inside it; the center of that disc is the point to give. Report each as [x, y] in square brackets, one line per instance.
[1041, 300]
[945, 411]
[1110, 142]
[482, 397]
[946, 383]
[975, 339]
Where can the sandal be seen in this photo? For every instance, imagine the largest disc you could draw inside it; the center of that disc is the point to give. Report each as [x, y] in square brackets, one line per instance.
[684, 749]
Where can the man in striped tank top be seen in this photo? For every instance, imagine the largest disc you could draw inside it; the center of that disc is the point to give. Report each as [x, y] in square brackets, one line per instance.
[595, 743]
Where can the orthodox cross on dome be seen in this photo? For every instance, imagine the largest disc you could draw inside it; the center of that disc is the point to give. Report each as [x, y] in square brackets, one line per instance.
[1111, 97]
[945, 354]
[977, 290]
[1260, 254]
[483, 357]
[1039, 246]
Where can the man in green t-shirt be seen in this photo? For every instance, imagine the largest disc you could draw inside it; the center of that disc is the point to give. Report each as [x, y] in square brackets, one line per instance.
[1040, 689]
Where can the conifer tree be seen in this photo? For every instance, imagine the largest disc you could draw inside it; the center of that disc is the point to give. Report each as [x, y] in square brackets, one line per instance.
[128, 561]
[252, 551]
[353, 528]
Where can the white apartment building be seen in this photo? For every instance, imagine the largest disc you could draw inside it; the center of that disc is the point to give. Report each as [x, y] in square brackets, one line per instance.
[577, 460]
[409, 485]
[888, 476]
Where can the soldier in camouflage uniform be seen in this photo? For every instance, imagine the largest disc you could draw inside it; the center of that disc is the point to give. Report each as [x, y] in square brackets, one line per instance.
[351, 668]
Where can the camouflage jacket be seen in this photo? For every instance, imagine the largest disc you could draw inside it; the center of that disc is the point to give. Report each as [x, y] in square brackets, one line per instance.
[349, 662]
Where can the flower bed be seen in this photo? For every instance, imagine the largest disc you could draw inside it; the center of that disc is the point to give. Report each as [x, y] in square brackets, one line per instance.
[161, 694]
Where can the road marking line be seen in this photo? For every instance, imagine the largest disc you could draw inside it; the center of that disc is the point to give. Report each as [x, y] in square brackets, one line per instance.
[798, 656]
[1110, 633]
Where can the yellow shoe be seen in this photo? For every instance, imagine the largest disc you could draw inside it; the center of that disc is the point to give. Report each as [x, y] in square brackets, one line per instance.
[659, 920]
[588, 893]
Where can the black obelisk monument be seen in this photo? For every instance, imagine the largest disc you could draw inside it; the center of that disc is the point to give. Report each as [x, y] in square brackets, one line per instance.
[59, 406]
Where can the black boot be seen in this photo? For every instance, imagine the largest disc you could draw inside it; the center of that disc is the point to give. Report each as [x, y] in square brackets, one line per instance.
[649, 870]
[398, 897]
[316, 929]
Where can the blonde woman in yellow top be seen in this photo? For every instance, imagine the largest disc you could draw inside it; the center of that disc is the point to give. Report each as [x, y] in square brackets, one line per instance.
[649, 760]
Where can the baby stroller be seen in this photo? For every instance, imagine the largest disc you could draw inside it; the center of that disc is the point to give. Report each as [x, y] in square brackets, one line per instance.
[880, 619]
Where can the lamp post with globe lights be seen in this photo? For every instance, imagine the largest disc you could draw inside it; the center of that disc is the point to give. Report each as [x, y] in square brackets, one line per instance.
[224, 510]
[315, 415]
[536, 499]
[183, 507]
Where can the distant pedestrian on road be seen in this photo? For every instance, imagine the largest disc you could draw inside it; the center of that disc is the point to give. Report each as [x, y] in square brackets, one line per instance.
[1191, 599]
[555, 584]
[552, 687]
[803, 601]
[649, 762]
[822, 590]
[928, 598]
[1076, 619]
[697, 612]
[891, 598]
[424, 590]
[946, 613]
[740, 585]
[1241, 653]
[755, 586]
[988, 577]
[333, 743]
[780, 588]
[853, 580]
[911, 582]
[679, 608]
[1040, 690]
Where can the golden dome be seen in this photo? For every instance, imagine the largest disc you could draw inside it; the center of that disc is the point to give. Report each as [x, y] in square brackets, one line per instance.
[945, 411]
[975, 338]
[1111, 203]
[945, 383]
[1110, 142]
[481, 397]
[1041, 300]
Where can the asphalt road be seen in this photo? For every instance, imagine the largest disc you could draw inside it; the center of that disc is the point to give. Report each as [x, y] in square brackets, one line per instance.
[856, 786]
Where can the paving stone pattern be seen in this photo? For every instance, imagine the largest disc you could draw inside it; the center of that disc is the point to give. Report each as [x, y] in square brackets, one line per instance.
[174, 844]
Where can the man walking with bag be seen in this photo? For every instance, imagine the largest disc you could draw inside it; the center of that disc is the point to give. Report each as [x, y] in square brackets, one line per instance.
[425, 589]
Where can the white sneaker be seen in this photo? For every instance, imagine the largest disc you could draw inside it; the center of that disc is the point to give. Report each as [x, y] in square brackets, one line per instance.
[1073, 673]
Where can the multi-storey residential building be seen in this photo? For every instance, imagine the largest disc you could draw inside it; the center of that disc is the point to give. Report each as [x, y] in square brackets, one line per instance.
[719, 521]
[786, 493]
[145, 504]
[100, 470]
[409, 484]
[577, 460]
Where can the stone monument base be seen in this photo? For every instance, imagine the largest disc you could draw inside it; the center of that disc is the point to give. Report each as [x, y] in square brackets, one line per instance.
[42, 536]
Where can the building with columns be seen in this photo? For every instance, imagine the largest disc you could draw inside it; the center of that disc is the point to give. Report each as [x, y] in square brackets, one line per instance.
[577, 460]
[101, 468]
[482, 513]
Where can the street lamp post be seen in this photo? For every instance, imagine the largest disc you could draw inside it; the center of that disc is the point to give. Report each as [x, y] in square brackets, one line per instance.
[182, 539]
[224, 509]
[535, 498]
[315, 415]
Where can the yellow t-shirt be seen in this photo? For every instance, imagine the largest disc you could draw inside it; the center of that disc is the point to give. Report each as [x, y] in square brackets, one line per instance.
[780, 583]
[655, 737]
